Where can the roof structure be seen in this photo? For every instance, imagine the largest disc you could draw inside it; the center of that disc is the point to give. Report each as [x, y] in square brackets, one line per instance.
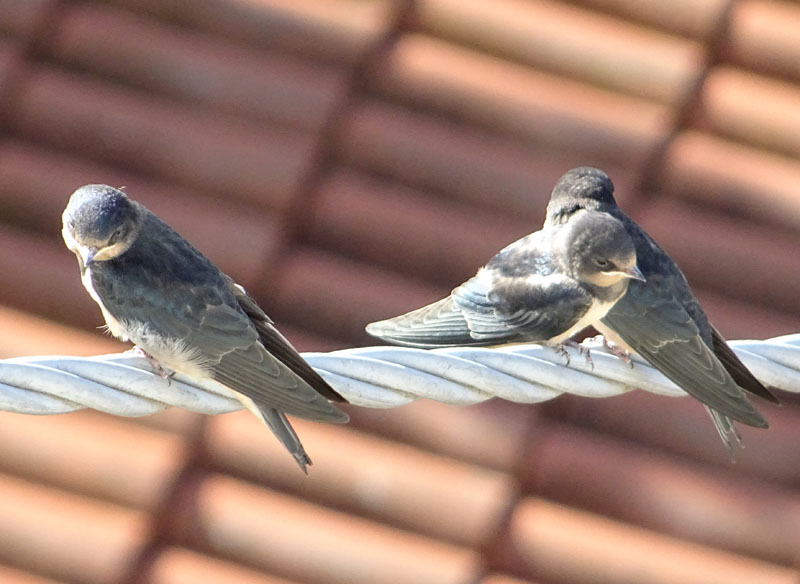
[345, 161]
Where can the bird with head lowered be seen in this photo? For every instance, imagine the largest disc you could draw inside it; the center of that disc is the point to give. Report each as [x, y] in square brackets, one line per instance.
[159, 292]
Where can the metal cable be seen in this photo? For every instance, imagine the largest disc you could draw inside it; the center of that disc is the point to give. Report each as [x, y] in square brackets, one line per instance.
[376, 377]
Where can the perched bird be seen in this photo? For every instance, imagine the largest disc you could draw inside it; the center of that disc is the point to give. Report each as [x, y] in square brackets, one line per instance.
[659, 317]
[158, 291]
[543, 288]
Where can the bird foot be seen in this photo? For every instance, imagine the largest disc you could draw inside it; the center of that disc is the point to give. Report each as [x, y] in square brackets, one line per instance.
[618, 352]
[561, 349]
[157, 368]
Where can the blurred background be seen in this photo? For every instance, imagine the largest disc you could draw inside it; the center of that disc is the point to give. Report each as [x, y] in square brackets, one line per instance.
[348, 160]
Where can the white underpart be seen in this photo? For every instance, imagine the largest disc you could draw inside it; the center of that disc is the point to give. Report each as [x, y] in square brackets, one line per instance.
[172, 353]
[248, 403]
[613, 337]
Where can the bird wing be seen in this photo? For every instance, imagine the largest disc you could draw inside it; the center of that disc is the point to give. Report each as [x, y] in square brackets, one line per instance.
[535, 307]
[743, 377]
[655, 325]
[667, 281]
[200, 321]
[519, 296]
[277, 345]
[440, 324]
[489, 311]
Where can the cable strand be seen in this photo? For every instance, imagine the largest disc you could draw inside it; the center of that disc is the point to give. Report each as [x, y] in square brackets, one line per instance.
[375, 377]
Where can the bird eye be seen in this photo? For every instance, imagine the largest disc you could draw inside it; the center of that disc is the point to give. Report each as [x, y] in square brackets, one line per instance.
[115, 237]
[602, 263]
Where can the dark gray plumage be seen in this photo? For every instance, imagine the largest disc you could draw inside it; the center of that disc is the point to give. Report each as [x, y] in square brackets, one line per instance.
[158, 291]
[543, 288]
[660, 318]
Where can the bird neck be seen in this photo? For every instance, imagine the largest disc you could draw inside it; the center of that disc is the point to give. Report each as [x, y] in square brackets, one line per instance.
[608, 293]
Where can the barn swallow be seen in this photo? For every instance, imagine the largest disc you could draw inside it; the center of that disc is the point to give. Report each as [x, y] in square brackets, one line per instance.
[660, 318]
[542, 288]
[159, 292]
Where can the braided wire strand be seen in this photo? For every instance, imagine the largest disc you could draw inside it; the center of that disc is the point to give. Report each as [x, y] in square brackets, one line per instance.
[124, 384]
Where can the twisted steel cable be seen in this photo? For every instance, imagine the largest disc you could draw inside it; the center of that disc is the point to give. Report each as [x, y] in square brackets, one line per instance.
[376, 377]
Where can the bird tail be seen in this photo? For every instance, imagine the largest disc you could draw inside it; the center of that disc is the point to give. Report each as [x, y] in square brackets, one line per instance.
[280, 426]
[277, 422]
[727, 430]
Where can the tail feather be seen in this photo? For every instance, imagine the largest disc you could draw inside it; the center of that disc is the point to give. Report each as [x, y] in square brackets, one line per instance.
[280, 426]
[440, 324]
[727, 430]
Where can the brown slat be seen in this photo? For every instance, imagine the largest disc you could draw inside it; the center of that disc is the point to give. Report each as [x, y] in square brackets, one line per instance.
[151, 135]
[365, 475]
[556, 37]
[746, 516]
[692, 18]
[408, 231]
[228, 516]
[86, 540]
[337, 297]
[198, 68]
[521, 102]
[763, 36]
[91, 454]
[340, 31]
[560, 544]
[183, 566]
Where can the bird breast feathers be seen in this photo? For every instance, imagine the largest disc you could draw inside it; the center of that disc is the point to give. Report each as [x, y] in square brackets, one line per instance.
[172, 353]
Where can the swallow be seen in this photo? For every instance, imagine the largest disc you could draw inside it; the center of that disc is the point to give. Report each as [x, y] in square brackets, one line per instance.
[543, 288]
[659, 316]
[159, 292]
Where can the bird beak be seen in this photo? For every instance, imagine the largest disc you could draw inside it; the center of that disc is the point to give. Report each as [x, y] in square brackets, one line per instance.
[635, 273]
[87, 255]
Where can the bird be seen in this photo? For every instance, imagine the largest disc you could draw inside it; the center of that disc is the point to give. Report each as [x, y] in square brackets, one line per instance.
[158, 291]
[660, 318]
[543, 288]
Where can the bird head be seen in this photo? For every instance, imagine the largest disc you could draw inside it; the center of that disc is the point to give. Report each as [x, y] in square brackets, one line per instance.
[99, 224]
[598, 249]
[583, 188]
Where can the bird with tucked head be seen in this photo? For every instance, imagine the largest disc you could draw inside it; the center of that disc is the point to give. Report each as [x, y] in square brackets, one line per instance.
[156, 290]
